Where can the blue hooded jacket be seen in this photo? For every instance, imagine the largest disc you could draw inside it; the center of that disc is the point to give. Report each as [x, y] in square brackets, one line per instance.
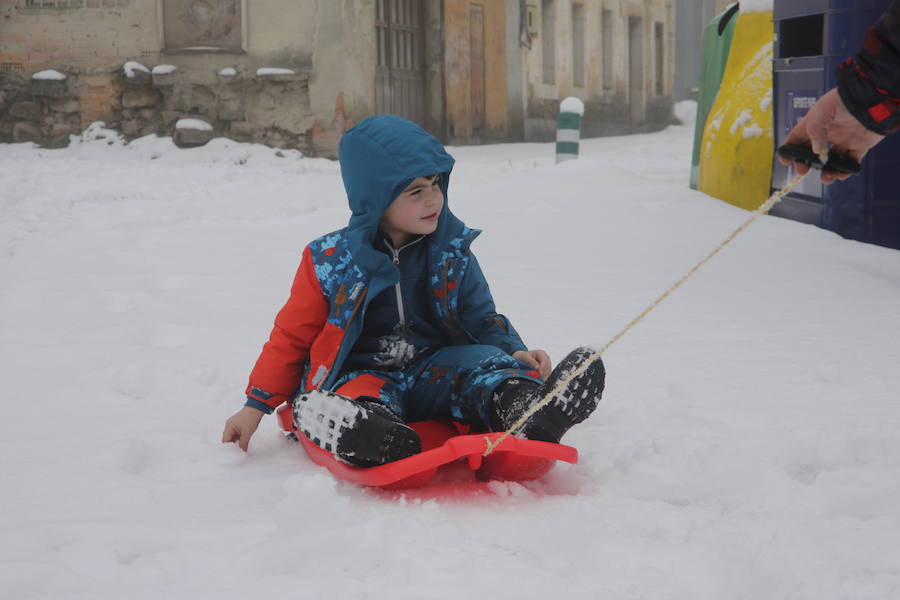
[342, 272]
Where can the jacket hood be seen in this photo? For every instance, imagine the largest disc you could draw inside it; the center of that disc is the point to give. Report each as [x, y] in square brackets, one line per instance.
[381, 156]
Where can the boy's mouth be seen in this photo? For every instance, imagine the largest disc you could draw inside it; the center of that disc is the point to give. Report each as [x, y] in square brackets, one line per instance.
[430, 217]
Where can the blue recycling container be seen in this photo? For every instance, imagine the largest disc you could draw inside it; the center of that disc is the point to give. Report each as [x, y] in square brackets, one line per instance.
[812, 37]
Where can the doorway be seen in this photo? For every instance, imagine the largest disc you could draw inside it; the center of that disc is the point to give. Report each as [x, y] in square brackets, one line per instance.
[636, 69]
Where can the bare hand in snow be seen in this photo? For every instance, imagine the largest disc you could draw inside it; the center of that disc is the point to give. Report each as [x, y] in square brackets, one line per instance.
[241, 426]
[537, 359]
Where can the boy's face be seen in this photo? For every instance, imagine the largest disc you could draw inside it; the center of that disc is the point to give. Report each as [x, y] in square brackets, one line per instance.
[415, 211]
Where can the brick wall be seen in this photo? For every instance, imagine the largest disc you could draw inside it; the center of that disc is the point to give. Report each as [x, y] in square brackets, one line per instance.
[97, 95]
[77, 34]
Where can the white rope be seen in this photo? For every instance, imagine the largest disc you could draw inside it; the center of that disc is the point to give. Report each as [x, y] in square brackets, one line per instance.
[764, 208]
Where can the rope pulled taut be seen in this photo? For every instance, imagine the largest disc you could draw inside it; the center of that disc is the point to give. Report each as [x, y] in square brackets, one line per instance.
[764, 208]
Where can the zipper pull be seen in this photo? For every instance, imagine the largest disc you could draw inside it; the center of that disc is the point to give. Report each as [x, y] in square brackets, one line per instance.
[396, 260]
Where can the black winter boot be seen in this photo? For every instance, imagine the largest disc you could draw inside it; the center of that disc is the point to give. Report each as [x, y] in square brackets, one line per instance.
[573, 405]
[364, 433]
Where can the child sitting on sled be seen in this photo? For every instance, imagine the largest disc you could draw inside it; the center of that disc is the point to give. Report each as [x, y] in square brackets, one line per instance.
[390, 321]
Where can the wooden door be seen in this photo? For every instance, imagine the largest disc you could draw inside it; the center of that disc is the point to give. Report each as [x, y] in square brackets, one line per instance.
[476, 65]
[399, 70]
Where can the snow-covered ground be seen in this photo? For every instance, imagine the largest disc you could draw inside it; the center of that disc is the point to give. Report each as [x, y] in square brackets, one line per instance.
[746, 447]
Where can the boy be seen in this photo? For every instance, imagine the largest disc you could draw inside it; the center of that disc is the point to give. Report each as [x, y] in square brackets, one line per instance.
[390, 320]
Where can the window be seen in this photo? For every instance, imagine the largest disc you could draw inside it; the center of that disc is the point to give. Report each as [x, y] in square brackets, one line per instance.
[607, 41]
[548, 46]
[530, 20]
[578, 45]
[203, 25]
[660, 56]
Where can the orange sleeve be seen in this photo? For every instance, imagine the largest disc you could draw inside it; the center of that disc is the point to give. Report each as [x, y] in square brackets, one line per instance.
[279, 368]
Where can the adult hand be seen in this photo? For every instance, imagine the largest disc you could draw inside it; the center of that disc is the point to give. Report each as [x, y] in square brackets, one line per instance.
[537, 359]
[829, 122]
[241, 426]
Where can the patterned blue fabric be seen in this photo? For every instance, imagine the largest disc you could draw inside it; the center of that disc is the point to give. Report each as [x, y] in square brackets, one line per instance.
[384, 342]
[455, 383]
[379, 158]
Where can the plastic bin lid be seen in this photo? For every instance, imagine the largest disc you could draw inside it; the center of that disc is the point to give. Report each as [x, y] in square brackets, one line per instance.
[787, 9]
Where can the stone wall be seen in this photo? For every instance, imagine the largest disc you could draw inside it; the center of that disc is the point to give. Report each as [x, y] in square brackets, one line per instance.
[328, 46]
[246, 107]
[43, 111]
[242, 106]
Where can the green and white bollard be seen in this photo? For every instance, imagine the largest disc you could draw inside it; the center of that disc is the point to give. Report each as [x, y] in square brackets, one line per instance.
[568, 129]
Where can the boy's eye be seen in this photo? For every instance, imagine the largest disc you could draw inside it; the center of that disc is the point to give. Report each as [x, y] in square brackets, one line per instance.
[434, 180]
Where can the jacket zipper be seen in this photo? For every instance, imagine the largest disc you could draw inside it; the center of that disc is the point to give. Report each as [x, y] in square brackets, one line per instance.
[395, 258]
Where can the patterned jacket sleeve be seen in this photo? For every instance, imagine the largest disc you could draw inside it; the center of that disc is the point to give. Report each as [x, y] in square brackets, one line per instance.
[279, 369]
[479, 315]
[869, 84]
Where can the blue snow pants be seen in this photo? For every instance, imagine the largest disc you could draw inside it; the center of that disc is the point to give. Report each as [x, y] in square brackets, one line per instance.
[455, 383]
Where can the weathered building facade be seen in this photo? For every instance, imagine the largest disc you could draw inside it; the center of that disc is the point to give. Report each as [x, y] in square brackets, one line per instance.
[615, 55]
[691, 19]
[275, 72]
[299, 73]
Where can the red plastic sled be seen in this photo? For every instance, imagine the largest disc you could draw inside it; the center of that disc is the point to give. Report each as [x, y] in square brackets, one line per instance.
[514, 459]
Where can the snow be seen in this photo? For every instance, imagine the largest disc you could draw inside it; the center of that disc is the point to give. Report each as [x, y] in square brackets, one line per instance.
[572, 105]
[49, 74]
[228, 72]
[312, 406]
[164, 69]
[741, 120]
[274, 71]
[766, 101]
[756, 6]
[745, 446]
[751, 131]
[132, 66]
[198, 124]
[686, 112]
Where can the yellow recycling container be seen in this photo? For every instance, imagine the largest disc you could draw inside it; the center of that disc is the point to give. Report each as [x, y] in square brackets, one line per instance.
[737, 148]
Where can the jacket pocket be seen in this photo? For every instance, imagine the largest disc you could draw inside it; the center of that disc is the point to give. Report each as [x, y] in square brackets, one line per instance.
[323, 353]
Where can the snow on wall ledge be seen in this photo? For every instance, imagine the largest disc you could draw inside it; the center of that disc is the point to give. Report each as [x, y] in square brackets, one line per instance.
[49, 75]
[131, 66]
[196, 124]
